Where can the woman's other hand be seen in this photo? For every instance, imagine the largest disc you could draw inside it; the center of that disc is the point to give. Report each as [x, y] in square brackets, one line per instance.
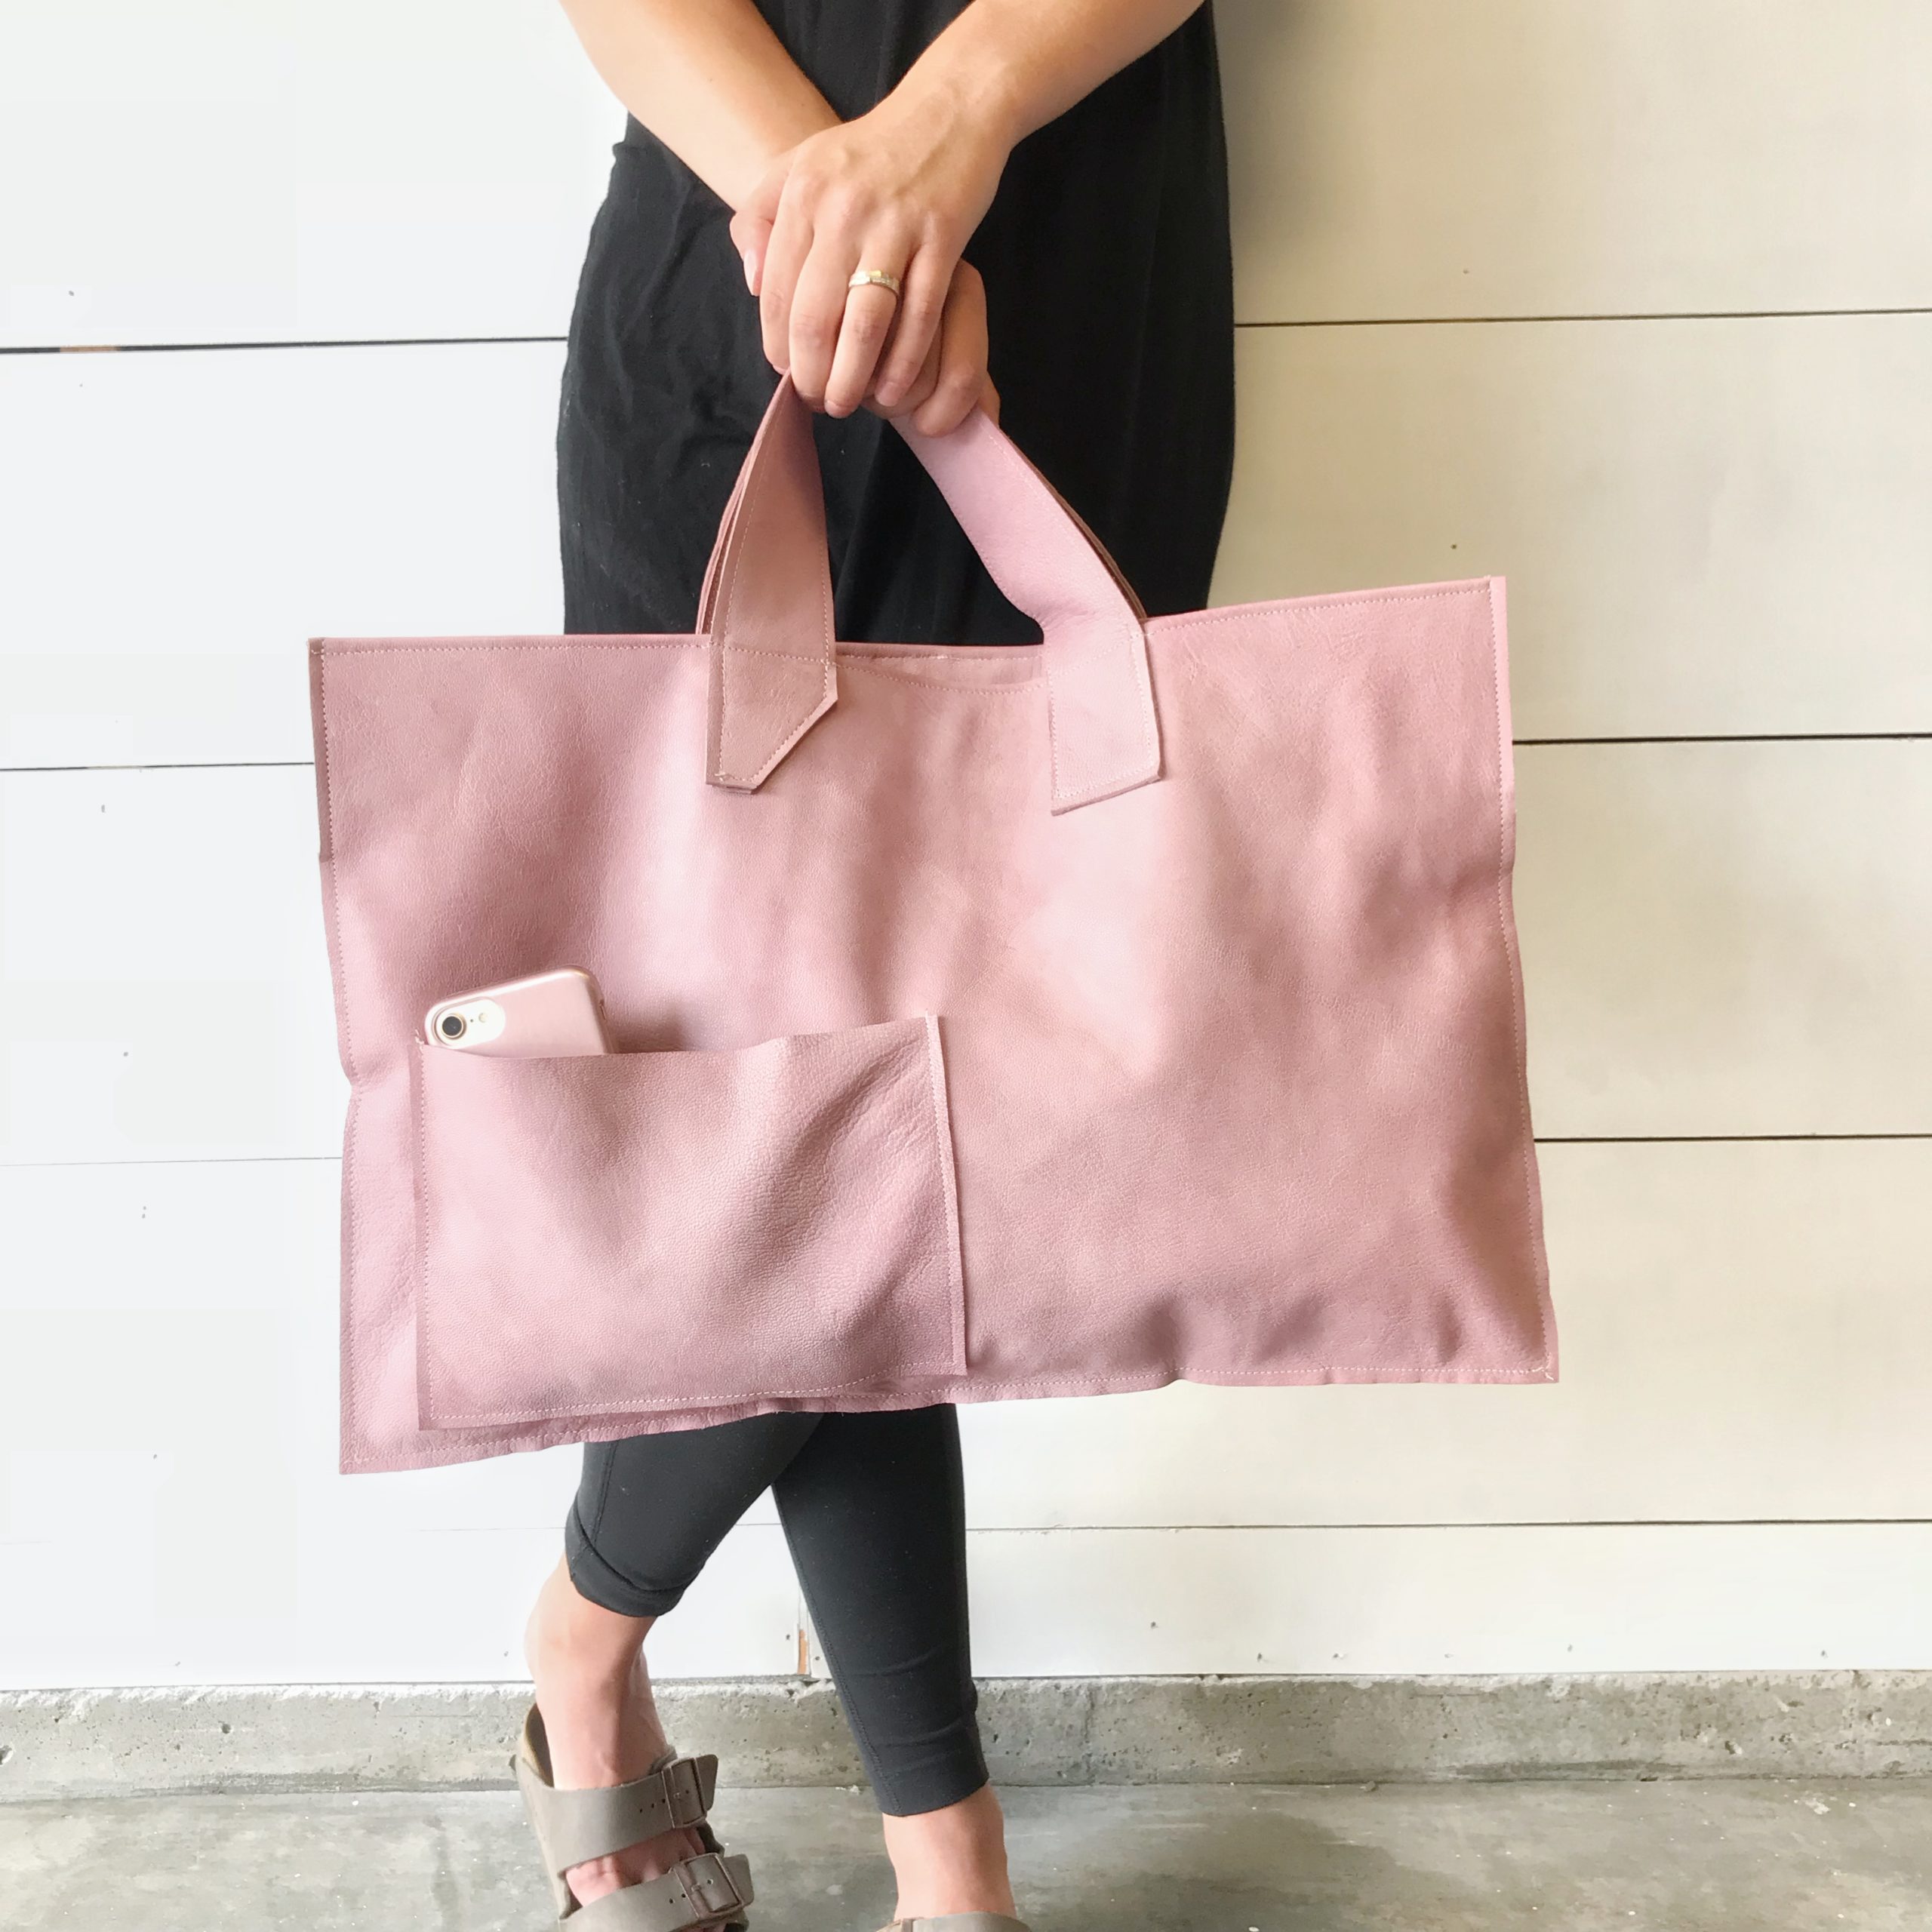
[951, 379]
[900, 188]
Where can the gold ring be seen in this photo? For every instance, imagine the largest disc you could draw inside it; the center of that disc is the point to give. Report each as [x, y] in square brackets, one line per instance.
[875, 279]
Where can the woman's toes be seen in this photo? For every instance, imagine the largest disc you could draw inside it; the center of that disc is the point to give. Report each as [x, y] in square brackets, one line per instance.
[594, 1877]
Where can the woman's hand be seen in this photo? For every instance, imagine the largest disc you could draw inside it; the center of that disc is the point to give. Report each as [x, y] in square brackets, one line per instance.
[953, 376]
[900, 189]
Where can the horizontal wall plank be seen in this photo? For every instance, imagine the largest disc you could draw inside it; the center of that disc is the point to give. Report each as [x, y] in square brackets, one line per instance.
[212, 173]
[1727, 938]
[1390, 158]
[165, 969]
[1707, 527]
[178, 1463]
[1744, 1329]
[183, 1489]
[1740, 1597]
[1718, 940]
[1425, 158]
[259, 1240]
[204, 1596]
[249, 500]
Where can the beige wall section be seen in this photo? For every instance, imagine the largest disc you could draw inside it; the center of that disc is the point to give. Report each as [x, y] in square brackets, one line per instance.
[1709, 526]
[1419, 158]
[264, 170]
[1713, 532]
[252, 499]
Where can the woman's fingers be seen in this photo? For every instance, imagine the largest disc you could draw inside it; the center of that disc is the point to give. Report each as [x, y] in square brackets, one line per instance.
[817, 314]
[962, 360]
[923, 385]
[863, 330]
[915, 327]
[921, 354]
[785, 254]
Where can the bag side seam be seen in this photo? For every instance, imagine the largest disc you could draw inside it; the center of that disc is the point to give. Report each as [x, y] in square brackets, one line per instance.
[1538, 1268]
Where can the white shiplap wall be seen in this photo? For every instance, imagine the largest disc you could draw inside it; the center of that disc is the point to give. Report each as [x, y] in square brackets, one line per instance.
[1633, 304]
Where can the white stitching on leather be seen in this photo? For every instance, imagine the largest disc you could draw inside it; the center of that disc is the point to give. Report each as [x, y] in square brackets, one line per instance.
[951, 1389]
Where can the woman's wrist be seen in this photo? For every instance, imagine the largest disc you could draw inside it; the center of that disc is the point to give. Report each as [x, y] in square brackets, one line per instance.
[973, 91]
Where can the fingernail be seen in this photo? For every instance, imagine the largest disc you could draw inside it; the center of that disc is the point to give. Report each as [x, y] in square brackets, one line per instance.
[750, 272]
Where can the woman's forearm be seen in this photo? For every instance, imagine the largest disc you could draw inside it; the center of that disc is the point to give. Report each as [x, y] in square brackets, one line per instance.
[709, 78]
[1017, 64]
[895, 193]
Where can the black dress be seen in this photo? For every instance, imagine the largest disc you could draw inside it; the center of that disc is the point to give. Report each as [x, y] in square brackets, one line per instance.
[1106, 263]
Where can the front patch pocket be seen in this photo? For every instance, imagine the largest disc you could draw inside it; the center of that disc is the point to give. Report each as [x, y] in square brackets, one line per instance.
[630, 1231]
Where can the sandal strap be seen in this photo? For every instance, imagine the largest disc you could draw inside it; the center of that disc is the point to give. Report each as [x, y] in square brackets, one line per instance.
[592, 1822]
[707, 1890]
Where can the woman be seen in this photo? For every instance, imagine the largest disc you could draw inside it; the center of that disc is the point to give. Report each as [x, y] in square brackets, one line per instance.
[840, 158]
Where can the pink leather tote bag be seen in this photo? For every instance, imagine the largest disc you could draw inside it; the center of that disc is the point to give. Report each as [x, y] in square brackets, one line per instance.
[992, 1022]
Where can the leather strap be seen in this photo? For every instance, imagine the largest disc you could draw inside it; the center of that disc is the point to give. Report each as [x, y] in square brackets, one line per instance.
[767, 606]
[767, 603]
[703, 1890]
[574, 1826]
[1103, 734]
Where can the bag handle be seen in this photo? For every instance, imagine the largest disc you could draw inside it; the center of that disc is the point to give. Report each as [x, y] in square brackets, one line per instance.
[767, 606]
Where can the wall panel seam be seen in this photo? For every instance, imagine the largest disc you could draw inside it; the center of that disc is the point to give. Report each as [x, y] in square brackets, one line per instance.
[1278, 322]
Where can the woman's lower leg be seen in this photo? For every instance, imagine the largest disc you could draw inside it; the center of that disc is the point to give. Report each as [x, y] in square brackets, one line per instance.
[874, 1508]
[593, 1692]
[649, 1510]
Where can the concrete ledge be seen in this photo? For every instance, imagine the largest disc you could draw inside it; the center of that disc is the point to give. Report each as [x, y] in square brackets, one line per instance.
[1038, 1731]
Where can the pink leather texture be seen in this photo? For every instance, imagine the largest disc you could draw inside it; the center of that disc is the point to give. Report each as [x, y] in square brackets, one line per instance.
[990, 1022]
[751, 1180]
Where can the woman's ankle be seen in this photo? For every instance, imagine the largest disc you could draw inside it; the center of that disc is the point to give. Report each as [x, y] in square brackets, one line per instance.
[952, 1860]
[586, 1664]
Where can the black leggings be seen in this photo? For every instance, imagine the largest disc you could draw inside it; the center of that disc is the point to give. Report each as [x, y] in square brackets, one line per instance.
[874, 1510]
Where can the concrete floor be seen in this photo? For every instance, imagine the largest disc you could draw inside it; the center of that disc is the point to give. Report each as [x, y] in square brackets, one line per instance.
[1740, 1856]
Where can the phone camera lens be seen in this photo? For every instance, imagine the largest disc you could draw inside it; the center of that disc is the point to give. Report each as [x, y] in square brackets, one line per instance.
[452, 1026]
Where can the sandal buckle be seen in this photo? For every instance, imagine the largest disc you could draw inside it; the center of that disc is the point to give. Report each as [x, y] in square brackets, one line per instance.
[708, 1880]
[683, 1796]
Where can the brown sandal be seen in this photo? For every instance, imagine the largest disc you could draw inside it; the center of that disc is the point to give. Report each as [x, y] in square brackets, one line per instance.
[710, 1890]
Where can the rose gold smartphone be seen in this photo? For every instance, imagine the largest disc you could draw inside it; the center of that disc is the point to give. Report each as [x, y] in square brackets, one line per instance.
[553, 1016]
